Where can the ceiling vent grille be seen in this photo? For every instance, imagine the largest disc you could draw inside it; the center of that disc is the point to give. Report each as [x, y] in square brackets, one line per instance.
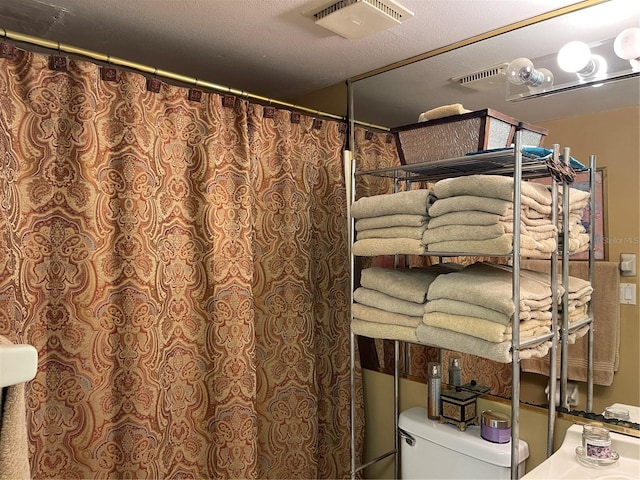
[484, 80]
[355, 19]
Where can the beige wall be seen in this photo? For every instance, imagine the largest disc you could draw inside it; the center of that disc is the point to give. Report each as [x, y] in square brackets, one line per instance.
[615, 139]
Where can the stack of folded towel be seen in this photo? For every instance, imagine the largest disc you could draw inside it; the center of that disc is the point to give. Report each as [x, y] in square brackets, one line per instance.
[472, 311]
[578, 236]
[390, 302]
[392, 223]
[474, 214]
[579, 292]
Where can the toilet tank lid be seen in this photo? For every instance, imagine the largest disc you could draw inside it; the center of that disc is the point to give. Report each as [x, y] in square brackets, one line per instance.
[415, 422]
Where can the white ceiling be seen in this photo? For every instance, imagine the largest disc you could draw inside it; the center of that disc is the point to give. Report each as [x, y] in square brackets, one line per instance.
[265, 47]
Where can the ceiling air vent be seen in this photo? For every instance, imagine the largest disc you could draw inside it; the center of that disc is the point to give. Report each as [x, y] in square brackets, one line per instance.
[484, 80]
[355, 19]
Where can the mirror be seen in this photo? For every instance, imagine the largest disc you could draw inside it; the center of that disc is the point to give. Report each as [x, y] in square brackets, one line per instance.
[395, 97]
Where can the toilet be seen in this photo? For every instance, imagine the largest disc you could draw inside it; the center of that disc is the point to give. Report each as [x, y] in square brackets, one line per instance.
[433, 450]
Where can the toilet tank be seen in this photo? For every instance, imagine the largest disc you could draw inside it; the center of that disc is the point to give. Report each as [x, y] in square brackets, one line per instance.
[442, 450]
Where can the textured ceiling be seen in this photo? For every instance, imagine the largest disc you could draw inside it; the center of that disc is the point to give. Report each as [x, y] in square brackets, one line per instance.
[265, 47]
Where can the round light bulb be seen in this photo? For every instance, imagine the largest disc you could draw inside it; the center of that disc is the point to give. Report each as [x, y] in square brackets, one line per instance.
[519, 70]
[627, 44]
[574, 56]
[547, 82]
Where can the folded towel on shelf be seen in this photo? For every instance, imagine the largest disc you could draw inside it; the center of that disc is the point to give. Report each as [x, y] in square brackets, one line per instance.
[499, 352]
[383, 330]
[455, 307]
[441, 112]
[384, 221]
[503, 245]
[372, 314]
[372, 247]
[392, 232]
[477, 217]
[532, 194]
[491, 286]
[411, 284]
[485, 329]
[14, 446]
[606, 325]
[376, 299]
[485, 232]
[465, 203]
[413, 202]
[463, 232]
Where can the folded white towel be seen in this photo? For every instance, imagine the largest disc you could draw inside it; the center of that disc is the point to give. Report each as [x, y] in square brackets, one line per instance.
[376, 299]
[503, 245]
[392, 232]
[499, 352]
[477, 217]
[465, 203]
[397, 220]
[494, 186]
[372, 247]
[485, 329]
[491, 286]
[455, 307]
[413, 202]
[410, 284]
[382, 330]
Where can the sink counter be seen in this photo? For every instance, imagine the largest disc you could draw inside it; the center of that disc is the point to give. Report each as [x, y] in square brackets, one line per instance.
[563, 464]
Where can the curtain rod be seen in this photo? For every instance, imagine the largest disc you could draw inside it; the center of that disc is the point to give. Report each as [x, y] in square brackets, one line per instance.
[70, 49]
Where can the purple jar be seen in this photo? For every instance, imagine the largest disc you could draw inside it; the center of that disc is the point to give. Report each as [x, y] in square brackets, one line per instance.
[495, 427]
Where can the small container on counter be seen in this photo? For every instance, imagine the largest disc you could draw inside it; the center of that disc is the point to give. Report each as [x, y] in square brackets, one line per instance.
[495, 427]
[434, 386]
[455, 372]
[596, 441]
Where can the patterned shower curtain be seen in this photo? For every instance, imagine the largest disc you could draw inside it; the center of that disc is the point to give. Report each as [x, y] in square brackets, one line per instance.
[181, 267]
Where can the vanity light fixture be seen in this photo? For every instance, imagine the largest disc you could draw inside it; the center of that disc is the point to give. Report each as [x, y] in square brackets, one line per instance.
[575, 57]
[522, 72]
[627, 46]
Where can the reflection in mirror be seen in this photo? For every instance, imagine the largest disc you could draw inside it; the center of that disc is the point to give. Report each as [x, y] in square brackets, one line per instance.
[396, 98]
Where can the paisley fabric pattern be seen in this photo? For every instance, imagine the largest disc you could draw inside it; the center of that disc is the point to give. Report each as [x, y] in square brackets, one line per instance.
[181, 268]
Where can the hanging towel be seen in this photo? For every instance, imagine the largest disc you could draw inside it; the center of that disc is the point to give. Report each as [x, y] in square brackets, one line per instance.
[14, 448]
[606, 325]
